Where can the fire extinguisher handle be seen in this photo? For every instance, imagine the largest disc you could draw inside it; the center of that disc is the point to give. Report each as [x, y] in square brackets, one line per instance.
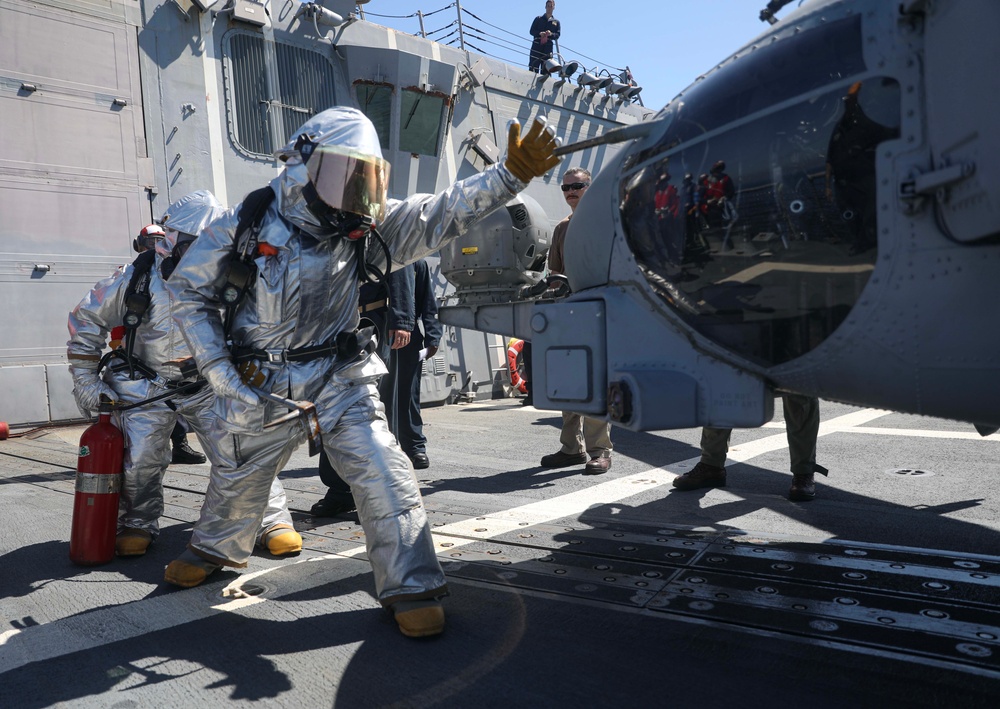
[107, 404]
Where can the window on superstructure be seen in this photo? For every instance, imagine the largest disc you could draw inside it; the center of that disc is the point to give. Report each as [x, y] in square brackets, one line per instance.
[420, 119]
[375, 100]
[305, 87]
[267, 98]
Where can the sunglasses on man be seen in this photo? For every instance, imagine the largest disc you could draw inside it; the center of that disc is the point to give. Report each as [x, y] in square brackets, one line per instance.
[574, 186]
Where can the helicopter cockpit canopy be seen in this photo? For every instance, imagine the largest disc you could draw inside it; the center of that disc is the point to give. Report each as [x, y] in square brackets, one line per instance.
[754, 216]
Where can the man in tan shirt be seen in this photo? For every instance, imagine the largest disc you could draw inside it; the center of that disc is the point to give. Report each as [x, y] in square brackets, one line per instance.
[584, 439]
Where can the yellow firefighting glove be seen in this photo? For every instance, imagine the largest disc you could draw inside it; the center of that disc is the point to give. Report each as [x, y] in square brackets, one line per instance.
[531, 156]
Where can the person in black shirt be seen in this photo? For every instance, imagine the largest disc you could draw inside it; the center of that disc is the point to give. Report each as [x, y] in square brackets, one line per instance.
[425, 340]
[544, 31]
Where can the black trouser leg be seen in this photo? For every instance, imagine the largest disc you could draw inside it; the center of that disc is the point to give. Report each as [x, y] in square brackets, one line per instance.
[410, 433]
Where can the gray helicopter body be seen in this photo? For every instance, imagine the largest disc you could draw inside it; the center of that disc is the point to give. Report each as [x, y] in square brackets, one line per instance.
[845, 245]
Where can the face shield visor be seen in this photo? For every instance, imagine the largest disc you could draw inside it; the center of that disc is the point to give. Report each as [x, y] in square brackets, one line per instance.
[174, 244]
[165, 246]
[148, 238]
[180, 248]
[349, 181]
[185, 219]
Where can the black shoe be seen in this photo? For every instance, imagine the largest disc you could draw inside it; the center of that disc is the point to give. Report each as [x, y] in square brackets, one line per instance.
[185, 454]
[701, 475]
[420, 461]
[803, 488]
[562, 460]
[333, 506]
[527, 401]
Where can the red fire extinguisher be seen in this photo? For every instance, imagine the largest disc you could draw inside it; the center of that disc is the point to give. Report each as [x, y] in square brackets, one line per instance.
[98, 482]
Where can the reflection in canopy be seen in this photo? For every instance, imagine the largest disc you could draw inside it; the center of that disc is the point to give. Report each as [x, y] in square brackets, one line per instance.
[774, 238]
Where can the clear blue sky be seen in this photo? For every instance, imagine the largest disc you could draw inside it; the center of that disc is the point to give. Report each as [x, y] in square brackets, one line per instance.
[666, 43]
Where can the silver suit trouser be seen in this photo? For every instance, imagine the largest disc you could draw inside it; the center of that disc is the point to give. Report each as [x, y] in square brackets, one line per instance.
[147, 432]
[366, 455]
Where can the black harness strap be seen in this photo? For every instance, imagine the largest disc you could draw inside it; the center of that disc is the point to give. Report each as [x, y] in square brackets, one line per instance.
[137, 299]
[242, 271]
[297, 354]
[241, 274]
[345, 346]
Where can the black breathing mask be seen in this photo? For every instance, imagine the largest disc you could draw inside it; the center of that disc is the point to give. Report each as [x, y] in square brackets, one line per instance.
[345, 224]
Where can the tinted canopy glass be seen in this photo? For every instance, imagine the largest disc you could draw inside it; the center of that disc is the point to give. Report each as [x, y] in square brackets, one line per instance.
[762, 235]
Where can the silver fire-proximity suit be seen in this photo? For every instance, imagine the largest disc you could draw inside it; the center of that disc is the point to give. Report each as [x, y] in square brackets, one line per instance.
[306, 292]
[157, 340]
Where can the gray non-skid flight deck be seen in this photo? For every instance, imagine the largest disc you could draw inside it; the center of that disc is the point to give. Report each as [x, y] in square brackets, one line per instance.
[567, 590]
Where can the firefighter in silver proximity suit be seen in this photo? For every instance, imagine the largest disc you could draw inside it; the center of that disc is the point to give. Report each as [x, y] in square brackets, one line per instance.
[304, 294]
[139, 371]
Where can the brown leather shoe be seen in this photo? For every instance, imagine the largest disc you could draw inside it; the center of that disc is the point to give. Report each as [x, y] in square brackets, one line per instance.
[701, 475]
[803, 488]
[598, 465]
[561, 460]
